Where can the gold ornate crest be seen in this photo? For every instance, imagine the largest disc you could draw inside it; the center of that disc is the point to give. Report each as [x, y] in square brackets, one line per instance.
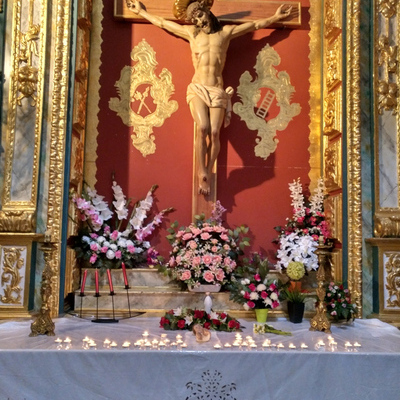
[144, 98]
[278, 88]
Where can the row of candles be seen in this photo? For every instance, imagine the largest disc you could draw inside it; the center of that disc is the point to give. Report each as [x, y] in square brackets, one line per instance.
[96, 280]
[240, 343]
[142, 344]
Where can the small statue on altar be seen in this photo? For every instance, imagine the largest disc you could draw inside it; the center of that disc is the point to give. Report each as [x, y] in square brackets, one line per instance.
[202, 334]
[209, 103]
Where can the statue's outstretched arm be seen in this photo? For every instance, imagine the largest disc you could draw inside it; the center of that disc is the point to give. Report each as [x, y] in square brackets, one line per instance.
[282, 12]
[136, 7]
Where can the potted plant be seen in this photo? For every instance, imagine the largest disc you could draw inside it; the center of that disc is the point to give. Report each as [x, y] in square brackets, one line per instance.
[205, 254]
[295, 303]
[338, 302]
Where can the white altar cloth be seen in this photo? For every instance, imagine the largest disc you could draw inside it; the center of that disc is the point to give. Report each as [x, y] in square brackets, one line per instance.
[32, 368]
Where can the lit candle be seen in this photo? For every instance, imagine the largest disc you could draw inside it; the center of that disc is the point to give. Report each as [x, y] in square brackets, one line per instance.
[113, 345]
[83, 282]
[227, 345]
[292, 346]
[125, 276]
[217, 346]
[145, 334]
[110, 281]
[280, 346]
[184, 345]
[304, 346]
[356, 344]
[96, 279]
[106, 343]
[348, 346]
[126, 345]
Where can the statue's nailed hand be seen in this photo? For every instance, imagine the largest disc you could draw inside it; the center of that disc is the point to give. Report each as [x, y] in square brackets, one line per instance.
[283, 11]
[134, 5]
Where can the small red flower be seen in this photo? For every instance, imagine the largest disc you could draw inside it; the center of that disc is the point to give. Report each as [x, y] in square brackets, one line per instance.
[181, 324]
[207, 325]
[198, 314]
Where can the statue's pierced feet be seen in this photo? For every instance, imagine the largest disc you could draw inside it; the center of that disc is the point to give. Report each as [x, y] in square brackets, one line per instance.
[204, 185]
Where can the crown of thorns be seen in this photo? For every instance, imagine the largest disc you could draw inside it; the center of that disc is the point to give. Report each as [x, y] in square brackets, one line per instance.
[180, 8]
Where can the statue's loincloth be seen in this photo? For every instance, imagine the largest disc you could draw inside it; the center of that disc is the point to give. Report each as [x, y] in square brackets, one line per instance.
[213, 96]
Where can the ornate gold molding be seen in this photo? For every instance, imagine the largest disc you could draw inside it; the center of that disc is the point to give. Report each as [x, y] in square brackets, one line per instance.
[135, 85]
[315, 81]
[17, 221]
[57, 146]
[332, 19]
[353, 117]
[333, 113]
[277, 86]
[387, 224]
[333, 211]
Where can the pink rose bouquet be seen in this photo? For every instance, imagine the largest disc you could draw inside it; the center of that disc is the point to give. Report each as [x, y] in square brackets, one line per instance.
[205, 252]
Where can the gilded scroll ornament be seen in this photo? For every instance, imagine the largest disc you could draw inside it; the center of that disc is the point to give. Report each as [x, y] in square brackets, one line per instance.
[392, 268]
[333, 65]
[27, 72]
[333, 164]
[387, 224]
[11, 277]
[144, 98]
[387, 7]
[278, 88]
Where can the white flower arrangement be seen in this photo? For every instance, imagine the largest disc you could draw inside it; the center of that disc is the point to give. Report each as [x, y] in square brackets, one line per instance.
[101, 245]
[299, 238]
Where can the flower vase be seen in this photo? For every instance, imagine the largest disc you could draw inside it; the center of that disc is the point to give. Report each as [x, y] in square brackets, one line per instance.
[261, 315]
[296, 312]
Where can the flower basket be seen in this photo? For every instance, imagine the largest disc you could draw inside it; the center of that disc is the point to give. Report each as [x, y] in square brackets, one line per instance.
[205, 252]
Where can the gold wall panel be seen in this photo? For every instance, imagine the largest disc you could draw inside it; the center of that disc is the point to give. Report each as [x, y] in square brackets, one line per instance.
[15, 270]
[25, 103]
[333, 166]
[332, 19]
[333, 212]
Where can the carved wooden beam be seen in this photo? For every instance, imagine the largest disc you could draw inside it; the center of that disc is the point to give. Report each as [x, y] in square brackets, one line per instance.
[225, 10]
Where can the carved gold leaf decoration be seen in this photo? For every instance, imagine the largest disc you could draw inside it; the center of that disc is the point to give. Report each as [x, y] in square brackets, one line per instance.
[144, 98]
[393, 280]
[249, 91]
[10, 277]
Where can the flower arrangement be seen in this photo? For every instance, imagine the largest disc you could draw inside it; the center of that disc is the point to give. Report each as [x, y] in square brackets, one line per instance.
[107, 238]
[205, 252]
[299, 238]
[185, 318]
[338, 302]
[295, 270]
[253, 288]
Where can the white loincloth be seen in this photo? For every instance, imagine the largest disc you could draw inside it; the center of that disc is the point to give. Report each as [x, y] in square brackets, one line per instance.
[213, 96]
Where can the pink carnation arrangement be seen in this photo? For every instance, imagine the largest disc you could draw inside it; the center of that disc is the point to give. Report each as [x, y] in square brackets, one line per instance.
[205, 252]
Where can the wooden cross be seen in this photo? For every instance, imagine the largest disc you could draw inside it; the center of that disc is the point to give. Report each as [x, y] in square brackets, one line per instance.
[237, 11]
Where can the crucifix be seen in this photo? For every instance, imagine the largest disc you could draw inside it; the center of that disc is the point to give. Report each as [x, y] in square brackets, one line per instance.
[209, 102]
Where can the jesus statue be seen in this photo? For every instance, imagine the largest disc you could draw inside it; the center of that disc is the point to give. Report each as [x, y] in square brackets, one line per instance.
[210, 104]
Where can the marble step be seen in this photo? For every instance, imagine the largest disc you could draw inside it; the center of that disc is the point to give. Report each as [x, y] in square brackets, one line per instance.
[142, 277]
